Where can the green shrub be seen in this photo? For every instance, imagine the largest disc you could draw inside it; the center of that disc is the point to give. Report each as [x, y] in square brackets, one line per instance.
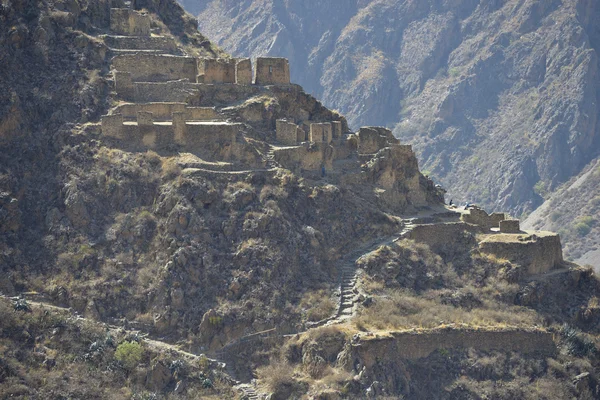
[129, 354]
[582, 229]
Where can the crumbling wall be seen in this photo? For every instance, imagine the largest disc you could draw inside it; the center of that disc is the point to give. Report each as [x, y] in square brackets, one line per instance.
[202, 113]
[336, 129]
[125, 21]
[372, 139]
[272, 71]
[112, 125]
[440, 236]
[160, 111]
[124, 85]
[321, 132]
[479, 217]
[214, 141]
[166, 44]
[510, 226]
[539, 252]
[416, 345]
[217, 70]
[174, 91]
[243, 71]
[156, 67]
[308, 156]
[286, 132]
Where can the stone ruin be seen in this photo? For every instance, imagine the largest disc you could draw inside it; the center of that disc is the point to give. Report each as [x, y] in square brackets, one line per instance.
[128, 22]
[272, 71]
[164, 111]
[195, 136]
[510, 226]
[477, 216]
[371, 139]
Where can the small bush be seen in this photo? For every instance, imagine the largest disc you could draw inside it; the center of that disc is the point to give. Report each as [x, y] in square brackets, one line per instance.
[582, 229]
[277, 376]
[318, 305]
[129, 354]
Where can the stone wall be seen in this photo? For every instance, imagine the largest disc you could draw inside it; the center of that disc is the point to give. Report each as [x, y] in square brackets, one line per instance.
[243, 71]
[163, 43]
[160, 111]
[156, 67]
[272, 71]
[308, 156]
[174, 91]
[336, 129]
[479, 217]
[372, 139]
[124, 85]
[214, 141]
[164, 111]
[112, 125]
[539, 252]
[416, 345]
[192, 93]
[439, 236]
[287, 132]
[321, 132]
[510, 226]
[216, 70]
[202, 113]
[124, 21]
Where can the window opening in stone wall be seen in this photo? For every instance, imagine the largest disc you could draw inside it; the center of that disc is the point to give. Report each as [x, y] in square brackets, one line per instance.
[270, 69]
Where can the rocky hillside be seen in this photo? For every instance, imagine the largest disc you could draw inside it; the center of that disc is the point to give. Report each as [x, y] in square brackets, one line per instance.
[169, 229]
[499, 98]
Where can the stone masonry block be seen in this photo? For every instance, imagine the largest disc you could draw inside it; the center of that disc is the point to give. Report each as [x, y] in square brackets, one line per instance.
[145, 118]
[286, 132]
[123, 84]
[337, 129]
[510, 226]
[243, 71]
[272, 71]
[112, 125]
[321, 132]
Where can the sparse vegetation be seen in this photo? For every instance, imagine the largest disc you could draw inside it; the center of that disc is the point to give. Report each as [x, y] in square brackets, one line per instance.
[129, 354]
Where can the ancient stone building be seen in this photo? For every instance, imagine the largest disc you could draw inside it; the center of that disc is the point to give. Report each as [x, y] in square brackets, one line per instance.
[288, 133]
[321, 132]
[540, 252]
[203, 137]
[479, 217]
[217, 70]
[124, 21]
[510, 226]
[156, 67]
[272, 71]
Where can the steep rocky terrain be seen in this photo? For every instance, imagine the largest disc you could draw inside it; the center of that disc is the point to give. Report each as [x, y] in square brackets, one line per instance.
[169, 258]
[499, 98]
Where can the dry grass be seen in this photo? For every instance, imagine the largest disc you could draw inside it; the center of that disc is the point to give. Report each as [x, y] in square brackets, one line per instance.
[276, 376]
[317, 305]
[404, 310]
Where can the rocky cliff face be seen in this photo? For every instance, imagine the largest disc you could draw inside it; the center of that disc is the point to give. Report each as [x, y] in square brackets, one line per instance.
[500, 98]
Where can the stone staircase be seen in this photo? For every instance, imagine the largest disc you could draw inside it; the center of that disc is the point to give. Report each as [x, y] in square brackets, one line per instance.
[271, 163]
[348, 292]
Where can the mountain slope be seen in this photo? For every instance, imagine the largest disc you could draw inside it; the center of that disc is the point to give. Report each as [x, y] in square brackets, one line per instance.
[499, 98]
